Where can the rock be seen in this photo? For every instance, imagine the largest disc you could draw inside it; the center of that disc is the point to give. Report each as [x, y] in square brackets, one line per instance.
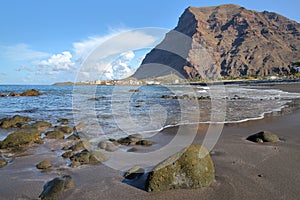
[64, 129]
[145, 142]
[134, 90]
[55, 135]
[75, 164]
[79, 146]
[133, 149]
[74, 136]
[56, 187]
[134, 172]
[80, 126]
[42, 126]
[63, 121]
[45, 164]
[31, 93]
[64, 148]
[188, 169]
[3, 162]
[263, 136]
[85, 157]
[107, 146]
[21, 138]
[130, 140]
[13, 122]
[68, 154]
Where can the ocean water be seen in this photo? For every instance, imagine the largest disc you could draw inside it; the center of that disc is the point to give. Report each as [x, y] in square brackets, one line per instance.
[117, 110]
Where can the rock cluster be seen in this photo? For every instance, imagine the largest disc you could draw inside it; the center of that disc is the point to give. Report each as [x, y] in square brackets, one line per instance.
[263, 136]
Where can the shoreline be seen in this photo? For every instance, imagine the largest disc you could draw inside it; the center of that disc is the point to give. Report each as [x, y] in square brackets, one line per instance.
[244, 170]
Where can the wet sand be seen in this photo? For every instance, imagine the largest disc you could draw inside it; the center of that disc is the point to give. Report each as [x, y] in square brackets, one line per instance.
[244, 170]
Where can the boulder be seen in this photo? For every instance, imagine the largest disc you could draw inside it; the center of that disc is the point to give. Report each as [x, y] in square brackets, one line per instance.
[3, 162]
[55, 188]
[134, 172]
[188, 169]
[263, 136]
[55, 135]
[21, 138]
[42, 126]
[45, 164]
[63, 121]
[32, 92]
[65, 129]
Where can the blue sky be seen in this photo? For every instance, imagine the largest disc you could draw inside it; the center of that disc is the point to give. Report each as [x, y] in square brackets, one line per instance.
[42, 42]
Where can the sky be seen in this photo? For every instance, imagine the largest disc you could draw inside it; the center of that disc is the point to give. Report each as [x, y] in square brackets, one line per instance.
[43, 42]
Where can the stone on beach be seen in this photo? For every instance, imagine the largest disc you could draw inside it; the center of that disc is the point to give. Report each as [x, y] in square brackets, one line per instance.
[134, 172]
[107, 146]
[45, 164]
[263, 136]
[188, 169]
[56, 187]
[86, 157]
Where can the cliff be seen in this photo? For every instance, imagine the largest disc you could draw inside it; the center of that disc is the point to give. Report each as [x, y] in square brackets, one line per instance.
[226, 40]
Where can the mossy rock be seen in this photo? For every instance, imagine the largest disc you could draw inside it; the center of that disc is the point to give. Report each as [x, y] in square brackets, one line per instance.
[42, 125]
[188, 169]
[3, 162]
[55, 188]
[55, 135]
[263, 136]
[63, 121]
[107, 146]
[13, 122]
[45, 164]
[21, 137]
[65, 129]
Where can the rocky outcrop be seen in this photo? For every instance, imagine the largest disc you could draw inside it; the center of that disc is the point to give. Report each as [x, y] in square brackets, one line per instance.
[55, 188]
[187, 169]
[14, 122]
[31, 92]
[226, 40]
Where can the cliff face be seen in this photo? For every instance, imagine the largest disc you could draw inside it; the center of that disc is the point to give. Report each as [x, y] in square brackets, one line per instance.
[226, 40]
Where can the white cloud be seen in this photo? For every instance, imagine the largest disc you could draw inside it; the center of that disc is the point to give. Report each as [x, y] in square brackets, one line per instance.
[110, 56]
[58, 62]
[21, 52]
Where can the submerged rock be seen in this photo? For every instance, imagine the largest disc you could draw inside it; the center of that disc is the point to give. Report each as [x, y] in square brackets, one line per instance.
[187, 169]
[79, 146]
[263, 136]
[134, 90]
[21, 138]
[56, 187]
[45, 164]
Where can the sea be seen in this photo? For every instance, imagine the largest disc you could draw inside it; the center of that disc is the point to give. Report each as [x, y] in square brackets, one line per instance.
[118, 110]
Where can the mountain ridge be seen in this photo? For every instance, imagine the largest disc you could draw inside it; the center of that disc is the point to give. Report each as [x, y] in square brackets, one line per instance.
[238, 42]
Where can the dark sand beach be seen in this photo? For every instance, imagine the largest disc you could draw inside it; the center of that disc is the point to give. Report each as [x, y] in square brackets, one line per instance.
[244, 170]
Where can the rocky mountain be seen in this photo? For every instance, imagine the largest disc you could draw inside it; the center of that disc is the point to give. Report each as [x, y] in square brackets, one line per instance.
[226, 40]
